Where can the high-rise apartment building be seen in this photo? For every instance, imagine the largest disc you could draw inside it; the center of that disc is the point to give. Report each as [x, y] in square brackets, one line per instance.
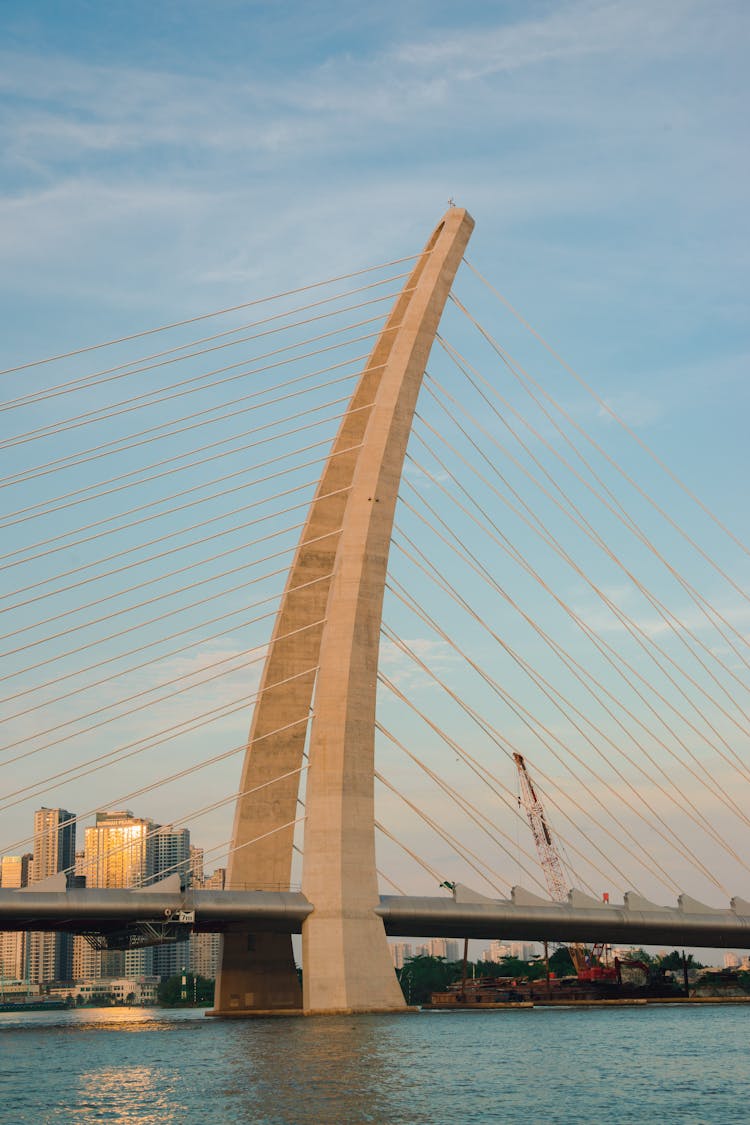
[50, 955]
[119, 852]
[196, 866]
[171, 856]
[205, 949]
[14, 872]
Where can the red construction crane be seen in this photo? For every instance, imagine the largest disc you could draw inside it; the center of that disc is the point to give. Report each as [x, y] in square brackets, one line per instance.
[547, 852]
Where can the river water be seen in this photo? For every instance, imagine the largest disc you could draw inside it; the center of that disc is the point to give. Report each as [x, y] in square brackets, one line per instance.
[655, 1064]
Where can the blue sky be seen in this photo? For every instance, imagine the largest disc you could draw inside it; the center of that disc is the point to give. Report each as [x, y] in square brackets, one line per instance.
[159, 161]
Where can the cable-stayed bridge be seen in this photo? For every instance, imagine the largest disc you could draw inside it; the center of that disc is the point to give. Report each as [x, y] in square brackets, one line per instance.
[264, 519]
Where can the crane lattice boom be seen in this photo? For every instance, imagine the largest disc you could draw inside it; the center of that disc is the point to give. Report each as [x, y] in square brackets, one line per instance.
[546, 850]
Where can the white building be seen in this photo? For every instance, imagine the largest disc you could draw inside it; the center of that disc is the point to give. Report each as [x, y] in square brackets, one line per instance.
[138, 991]
[400, 950]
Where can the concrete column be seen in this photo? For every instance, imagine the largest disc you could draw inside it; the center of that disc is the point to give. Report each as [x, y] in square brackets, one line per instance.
[346, 960]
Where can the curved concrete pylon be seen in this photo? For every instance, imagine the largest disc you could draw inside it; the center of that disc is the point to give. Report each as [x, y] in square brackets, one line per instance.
[346, 960]
[257, 970]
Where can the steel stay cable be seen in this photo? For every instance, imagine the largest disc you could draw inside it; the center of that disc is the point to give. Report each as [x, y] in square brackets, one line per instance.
[123, 799]
[151, 644]
[616, 507]
[605, 651]
[282, 457]
[100, 523]
[124, 370]
[120, 444]
[462, 850]
[528, 720]
[150, 582]
[676, 626]
[146, 691]
[612, 505]
[120, 753]
[669, 836]
[208, 316]
[605, 406]
[499, 741]
[635, 485]
[160, 617]
[175, 549]
[611, 655]
[510, 802]
[129, 406]
[573, 666]
[554, 544]
[194, 814]
[546, 688]
[422, 863]
[470, 810]
[171, 593]
[642, 639]
[78, 495]
[282, 493]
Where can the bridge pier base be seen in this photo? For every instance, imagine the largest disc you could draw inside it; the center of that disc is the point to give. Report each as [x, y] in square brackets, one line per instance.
[257, 975]
[348, 965]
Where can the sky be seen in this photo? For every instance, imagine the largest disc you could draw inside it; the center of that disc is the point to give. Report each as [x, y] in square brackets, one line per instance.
[161, 161]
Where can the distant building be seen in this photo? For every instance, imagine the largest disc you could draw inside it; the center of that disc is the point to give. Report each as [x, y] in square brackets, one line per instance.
[205, 949]
[523, 950]
[196, 866]
[119, 852]
[400, 950]
[14, 872]
[440, 947]
[171, 856]
[731, 960]
[124, 990]
[49, 955]
[496, 952]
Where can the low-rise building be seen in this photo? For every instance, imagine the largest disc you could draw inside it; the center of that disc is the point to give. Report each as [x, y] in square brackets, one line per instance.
[138, 991]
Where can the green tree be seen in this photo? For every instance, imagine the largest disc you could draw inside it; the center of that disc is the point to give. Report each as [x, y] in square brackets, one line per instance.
[673, 961]
[422, 975]
[561, 964]
[172, 993]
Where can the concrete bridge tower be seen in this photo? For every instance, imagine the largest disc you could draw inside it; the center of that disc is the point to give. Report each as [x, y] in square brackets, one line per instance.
[323, 657]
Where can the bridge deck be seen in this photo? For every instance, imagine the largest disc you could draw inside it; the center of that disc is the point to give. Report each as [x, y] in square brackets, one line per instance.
[632, 922]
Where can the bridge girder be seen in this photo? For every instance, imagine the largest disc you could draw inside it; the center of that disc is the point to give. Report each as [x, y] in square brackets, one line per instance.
[632, 922]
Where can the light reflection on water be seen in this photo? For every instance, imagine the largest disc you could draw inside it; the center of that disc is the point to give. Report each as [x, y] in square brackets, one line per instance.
[561, 1066]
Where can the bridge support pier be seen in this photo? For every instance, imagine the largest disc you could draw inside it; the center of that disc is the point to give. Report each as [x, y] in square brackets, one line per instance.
[257, 974]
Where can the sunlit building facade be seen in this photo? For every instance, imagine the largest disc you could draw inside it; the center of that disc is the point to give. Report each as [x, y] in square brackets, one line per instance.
[119, 852]
[14, 873]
